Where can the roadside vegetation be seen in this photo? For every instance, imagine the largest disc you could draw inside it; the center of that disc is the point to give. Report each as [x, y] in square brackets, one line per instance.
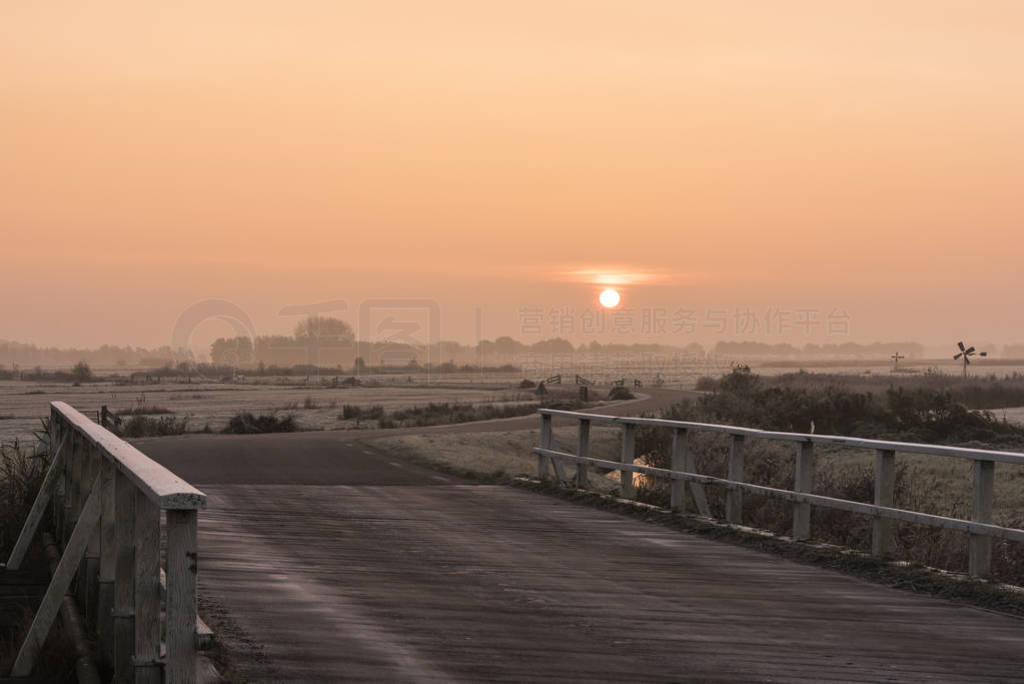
[930, 484]
[447, 413]
[249, 424]
[146, 426]
[21, 474]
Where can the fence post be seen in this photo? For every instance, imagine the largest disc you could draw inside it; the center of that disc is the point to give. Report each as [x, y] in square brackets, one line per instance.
[181, 596]
[885, 483]
[734, 497]
[74, 471]
[980, 546]
[89, 580]
[546, 440]
[148, 669]
[108, 561]
[677, 500]
[583, 450]
[803, 481]
[628, 454]
[124, 579]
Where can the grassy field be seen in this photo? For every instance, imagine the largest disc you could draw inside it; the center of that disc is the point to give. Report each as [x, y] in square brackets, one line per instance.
[22, 404]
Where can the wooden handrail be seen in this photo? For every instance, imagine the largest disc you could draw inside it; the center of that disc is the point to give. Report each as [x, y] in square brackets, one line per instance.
[163, 487]
[853, 442]
[980, 527]
[108, 499]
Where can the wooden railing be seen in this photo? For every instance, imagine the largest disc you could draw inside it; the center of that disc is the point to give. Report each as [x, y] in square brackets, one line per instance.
[683, 472]
[106, 498]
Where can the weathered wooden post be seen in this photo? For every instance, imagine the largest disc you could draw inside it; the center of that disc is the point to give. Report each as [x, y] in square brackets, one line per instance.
[628, 454]
[885, 484]
[677, 499]
[181, 596]
[108, 561]
[803, 481]
[89, 579]
[583, 451]
[546, 440]
[124, 579]
[148, 668]
[734, 497]
[980, 546]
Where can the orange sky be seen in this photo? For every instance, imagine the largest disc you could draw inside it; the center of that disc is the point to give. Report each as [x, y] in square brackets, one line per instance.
[826, 156]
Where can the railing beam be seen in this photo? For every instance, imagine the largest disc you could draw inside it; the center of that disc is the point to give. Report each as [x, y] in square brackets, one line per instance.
[59, 584]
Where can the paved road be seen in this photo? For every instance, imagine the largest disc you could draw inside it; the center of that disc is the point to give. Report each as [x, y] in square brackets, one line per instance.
[255, 459]
[339, 561]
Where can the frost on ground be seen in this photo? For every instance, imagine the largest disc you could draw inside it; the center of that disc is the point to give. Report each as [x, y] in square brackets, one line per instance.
[505, 453]
[22, 404]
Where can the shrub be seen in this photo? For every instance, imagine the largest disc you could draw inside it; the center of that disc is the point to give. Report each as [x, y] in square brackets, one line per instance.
[21, 475]
[144, 410]
[81, 372]
[351, 412]
[527, 384]
[706, 383]
[144, 426]
[247, 424]
[619, 393]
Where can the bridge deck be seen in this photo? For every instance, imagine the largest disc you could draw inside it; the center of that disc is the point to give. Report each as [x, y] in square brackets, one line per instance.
[420, 577]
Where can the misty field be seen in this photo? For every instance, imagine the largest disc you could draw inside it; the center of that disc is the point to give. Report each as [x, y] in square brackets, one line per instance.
[23, 404]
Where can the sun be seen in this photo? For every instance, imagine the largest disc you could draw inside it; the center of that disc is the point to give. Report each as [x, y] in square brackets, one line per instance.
[609, 298]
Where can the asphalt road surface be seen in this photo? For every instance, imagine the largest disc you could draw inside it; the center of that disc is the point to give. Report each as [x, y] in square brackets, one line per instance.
[330, 559]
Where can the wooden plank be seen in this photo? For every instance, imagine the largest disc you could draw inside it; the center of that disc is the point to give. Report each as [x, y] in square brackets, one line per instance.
[89, 580]
[677, 498]
[124, 579]
[872, 510]
[546, 442]
[583, 449]
[626, 487]
[700, 499]
[157, 482]
[28, 530]
[66, 568]
[147, 663]
[108, 563]
[182, 559]
[885, 483]
[980, 547]
[734, 497]
[803, 481]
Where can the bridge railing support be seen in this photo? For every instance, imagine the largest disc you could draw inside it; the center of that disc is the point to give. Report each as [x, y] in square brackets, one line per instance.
[107, 500]
[684, 479]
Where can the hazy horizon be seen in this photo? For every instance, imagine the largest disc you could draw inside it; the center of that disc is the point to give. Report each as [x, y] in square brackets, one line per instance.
[837, 161]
